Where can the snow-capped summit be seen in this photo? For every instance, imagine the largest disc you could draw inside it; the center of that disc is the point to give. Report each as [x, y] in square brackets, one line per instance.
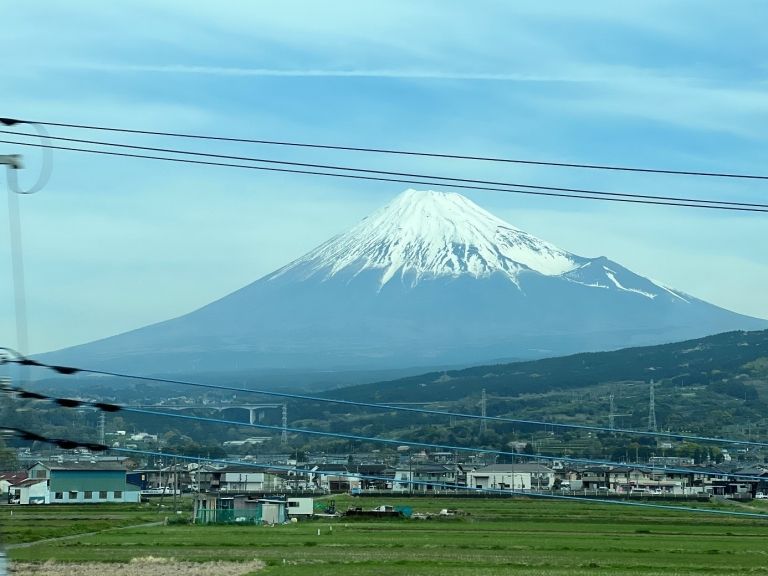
[430, 279]
[427, 234]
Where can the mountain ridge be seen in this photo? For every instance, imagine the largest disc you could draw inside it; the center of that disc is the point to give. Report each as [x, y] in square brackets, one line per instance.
[701, 361]
[429, 279]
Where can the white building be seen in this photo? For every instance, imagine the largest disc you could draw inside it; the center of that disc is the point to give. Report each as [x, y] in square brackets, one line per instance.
[30, 491]
[75, 483]
[511, 477]
[300, 507]
[418, 477]
[244, 479]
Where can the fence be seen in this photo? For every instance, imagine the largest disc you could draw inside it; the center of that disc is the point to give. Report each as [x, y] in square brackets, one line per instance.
[228, 516]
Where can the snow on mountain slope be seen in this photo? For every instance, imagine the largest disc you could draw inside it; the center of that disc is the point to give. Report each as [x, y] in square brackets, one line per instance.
[430, 279]
[426, 234]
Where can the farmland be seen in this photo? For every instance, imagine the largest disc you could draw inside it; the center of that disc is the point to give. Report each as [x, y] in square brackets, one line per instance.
[512, 536]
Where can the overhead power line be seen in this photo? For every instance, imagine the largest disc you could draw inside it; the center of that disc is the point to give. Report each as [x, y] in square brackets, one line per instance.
[388, 173]
[12, 356]
[440, 485]
[63, 443]
[625, 198]
[70, 445]
[72, 403]
[10, 121]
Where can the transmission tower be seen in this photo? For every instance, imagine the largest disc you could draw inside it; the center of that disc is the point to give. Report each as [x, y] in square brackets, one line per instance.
[652, 410]
[284, 436]
[102, 427]
[612, 412]
[483, 404]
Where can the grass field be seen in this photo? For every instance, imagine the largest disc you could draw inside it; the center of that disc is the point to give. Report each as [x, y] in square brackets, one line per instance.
[517, 536]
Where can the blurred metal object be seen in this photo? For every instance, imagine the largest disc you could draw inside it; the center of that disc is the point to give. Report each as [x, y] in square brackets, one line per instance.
[13, 161]
[17, 264]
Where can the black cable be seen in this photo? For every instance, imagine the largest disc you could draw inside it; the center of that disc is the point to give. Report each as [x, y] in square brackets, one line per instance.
[387, 173]
[69, 445]
[72, 403]
[403, 152]
[400, 180]
[10, 356]
[440, 485]
[63, 443]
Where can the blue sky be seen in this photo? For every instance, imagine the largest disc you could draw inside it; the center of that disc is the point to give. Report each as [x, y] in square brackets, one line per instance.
[114, 244]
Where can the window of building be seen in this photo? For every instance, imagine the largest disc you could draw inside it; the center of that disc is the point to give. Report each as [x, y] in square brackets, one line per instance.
[72, 495]
[118, 494]
[103, 495]
[40, 474]
[87, 495]
[58, 496]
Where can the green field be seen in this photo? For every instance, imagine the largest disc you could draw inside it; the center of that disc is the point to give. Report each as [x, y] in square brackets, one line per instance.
[511, 536]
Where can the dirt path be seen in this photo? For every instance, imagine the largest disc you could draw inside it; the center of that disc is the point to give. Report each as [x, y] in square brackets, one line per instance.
[136, 567]
[743, 505]
[80, 535]
[139, 567]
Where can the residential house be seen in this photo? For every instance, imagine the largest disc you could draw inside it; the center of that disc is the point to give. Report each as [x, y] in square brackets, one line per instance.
[629, 478]
[427, 477]
[375, 476]
[760, 481]
[29, 491]
[703, 480]
[8, 479]
[82, 483]
[335, 477]
[595, 477]
[244, 479]
[523, 476]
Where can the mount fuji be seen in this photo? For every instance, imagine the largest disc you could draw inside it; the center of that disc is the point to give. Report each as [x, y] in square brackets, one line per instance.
[429, 279]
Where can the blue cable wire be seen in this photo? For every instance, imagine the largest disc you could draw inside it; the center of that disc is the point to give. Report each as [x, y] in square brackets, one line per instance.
[393, 407]
[511, 492]
[399, 442]
[69, 370]
[68, 403]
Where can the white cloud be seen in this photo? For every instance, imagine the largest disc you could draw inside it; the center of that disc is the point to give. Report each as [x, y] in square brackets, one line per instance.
[116, 244]
[405, 74]
[680, 99]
